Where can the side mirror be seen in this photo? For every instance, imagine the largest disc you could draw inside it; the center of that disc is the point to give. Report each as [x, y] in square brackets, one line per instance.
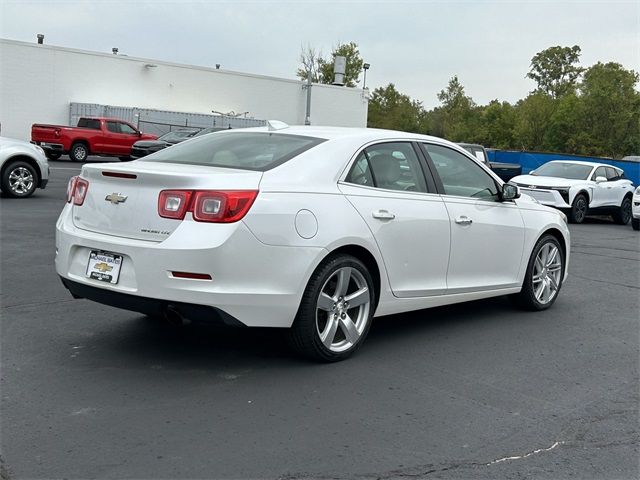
[139, 133]
[601, 179]
[509, 192]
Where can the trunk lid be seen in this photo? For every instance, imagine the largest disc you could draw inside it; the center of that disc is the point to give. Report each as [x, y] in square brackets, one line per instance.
[128, 207]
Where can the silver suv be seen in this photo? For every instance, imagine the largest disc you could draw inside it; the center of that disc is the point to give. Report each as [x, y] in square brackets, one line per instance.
[23, 168]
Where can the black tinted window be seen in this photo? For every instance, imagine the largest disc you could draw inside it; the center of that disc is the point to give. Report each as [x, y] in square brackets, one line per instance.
[92, 123]
[246, 151]
[113, 127]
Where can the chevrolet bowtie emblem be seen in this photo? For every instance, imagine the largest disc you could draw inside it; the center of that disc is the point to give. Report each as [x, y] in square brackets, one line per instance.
[103, 267]
[116, 198]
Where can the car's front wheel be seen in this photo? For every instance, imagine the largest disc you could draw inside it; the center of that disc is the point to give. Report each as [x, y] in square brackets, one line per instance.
[543, 279]
[579, 208]
[336, 310]
[623, 214]
[19, 179]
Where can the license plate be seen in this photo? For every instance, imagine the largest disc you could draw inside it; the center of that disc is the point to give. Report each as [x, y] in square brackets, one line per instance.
[104, 266]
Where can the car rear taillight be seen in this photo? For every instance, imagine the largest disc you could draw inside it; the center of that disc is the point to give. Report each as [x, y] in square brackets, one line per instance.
[77, 190]
[80, 191]
[71, 187]
[174, 203]
[206, 205]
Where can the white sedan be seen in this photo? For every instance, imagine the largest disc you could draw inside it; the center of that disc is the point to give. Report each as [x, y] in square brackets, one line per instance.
[580, 188]
[313, 229]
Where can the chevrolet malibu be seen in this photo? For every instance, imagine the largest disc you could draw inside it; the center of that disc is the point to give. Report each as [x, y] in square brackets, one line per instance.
[313, 229]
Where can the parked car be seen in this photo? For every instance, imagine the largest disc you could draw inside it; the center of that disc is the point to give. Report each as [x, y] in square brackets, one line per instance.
[93, 136]
[143, 148]
[23, 168]
[635, 221]
[580, 188]
[506, 171]
[310, 228]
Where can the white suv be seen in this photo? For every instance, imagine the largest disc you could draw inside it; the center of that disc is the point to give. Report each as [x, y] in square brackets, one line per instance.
[635, 221]
[581, 188]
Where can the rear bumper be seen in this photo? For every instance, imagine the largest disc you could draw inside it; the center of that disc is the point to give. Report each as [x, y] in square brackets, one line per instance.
[51, 147]
[256, 284]
[151, 306]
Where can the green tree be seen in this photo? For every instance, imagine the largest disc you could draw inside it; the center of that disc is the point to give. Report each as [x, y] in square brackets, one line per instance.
[556, 70]
[390, 109]
[322, 68]
[532, 119]
[611, 110]
[499, 119]
[461, 119]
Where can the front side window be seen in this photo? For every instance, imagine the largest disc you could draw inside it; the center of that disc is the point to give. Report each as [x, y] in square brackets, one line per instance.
[600, 172]
[124, 128]
[240, 150]
[460, 175]
[612, 174]
[392, 166]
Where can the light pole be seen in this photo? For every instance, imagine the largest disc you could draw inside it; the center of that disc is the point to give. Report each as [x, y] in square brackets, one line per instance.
[364, 81]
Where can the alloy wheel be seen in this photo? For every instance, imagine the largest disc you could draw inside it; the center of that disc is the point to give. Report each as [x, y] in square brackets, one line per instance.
[342, 310]
[547, 273]
[581, 209]
[20, 180]
[625, 212]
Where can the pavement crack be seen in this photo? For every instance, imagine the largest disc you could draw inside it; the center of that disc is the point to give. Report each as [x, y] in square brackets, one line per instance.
[636, 287]
[519, 457]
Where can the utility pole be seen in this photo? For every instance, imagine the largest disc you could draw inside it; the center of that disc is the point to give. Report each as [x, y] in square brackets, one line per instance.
[307, 117]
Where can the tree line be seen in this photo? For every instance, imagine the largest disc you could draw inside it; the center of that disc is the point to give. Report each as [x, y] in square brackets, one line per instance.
[585, 111]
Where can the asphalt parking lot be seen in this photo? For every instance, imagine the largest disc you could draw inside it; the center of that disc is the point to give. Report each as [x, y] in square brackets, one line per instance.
[477, 390]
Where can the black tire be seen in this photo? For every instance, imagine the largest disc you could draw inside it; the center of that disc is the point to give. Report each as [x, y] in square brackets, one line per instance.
[305, 335]
[635, 223]
[579, 208]
[623, 214]
[126, 159]
[526, 299]
[19, 179]
[53, 155]
[79, 152]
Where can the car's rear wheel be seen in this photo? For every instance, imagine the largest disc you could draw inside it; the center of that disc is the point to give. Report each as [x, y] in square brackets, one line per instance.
[79, 152]
[623, 214]
[19, 179]
[336, 310]
[543, 279]
[635, 223]
[579, 208]
[53, 155]
[125, 159]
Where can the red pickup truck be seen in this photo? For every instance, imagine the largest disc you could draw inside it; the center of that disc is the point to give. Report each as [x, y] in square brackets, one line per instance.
[92, 136]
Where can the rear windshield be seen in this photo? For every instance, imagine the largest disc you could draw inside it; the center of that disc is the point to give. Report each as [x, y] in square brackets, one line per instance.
[246, 151]
[573, 171]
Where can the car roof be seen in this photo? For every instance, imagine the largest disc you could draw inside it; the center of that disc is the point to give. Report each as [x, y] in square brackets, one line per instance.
[579, 162]
[355, 133]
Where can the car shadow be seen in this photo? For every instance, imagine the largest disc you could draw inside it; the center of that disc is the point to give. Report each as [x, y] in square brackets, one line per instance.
[145, 340]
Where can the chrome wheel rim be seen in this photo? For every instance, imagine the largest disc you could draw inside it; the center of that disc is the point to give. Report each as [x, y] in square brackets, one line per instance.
[342, 310]
[80, 153]
[581, 209]
[20, 180]
[547, 273]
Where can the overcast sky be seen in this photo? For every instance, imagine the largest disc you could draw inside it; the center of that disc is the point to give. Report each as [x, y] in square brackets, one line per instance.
[418, 45]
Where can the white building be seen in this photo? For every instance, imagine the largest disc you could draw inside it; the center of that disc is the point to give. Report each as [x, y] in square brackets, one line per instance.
[39, 82]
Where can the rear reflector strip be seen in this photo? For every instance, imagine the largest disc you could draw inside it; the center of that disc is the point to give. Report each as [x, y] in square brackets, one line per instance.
[195, 276]
[119, 175]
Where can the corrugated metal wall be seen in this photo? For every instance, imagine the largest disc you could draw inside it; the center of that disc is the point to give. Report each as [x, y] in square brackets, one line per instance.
[532, 160]
[158, 121]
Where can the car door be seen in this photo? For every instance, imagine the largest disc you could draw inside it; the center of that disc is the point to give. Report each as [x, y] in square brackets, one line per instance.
[120, 138]
[487, 235]
[618, 186]
[387, 186]
[601, 190]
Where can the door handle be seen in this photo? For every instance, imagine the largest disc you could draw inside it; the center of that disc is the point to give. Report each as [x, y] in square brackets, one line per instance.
[383, 215]
[463, 220]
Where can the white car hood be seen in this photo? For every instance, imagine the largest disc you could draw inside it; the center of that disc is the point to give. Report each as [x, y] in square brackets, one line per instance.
[540, 181]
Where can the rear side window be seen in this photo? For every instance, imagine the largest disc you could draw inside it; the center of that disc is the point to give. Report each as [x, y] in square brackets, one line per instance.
[246, 151]
[91, 123]
[113, 127]
[392, 166]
